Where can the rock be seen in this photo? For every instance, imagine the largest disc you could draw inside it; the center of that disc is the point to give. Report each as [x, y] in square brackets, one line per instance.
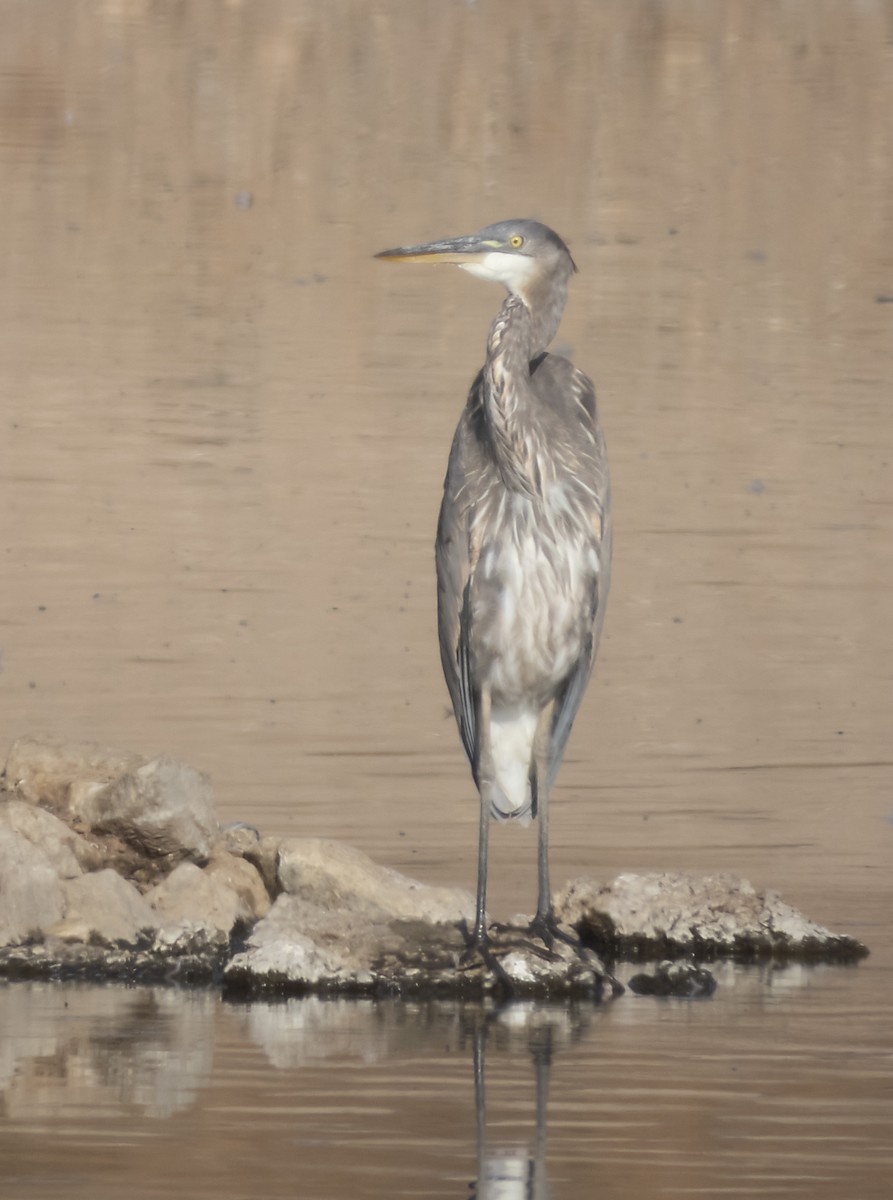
[333, 874]
[238, 838]
[59, 774]
[133, 879]
[664, 914]
[524, 966]
[31, 896]
[332, 944]
[300, 947]
[63, 847]
[304, 946]
[183, 954]
[244, 841]
[162, 808]
[680, 979]
[192, 939]
[265, 856]
[104, 908]
[229, 891]
[244, 879]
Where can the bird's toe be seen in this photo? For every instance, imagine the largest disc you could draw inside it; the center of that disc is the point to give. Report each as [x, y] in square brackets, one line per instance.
[549, 930]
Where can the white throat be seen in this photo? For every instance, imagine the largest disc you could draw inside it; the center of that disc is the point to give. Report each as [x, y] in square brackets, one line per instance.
[512, 270]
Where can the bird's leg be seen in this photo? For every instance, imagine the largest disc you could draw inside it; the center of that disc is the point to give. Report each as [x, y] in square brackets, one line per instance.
[545, 924]
[480, 947]
[479, 936]
[486, 782]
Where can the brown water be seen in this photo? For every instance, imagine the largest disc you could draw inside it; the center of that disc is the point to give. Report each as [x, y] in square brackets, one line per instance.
[779, 1087]
[224, 428]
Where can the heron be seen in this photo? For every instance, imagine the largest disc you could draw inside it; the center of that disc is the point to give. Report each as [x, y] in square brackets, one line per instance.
[523, 546]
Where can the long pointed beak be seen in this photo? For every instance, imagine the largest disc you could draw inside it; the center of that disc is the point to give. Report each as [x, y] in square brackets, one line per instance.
[452, 250]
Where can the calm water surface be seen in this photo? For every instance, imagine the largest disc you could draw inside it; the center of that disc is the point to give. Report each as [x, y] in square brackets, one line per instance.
[223, 428]
[778, 1087]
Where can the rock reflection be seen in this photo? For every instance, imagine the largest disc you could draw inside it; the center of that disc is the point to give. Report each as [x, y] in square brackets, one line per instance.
[310, 1031]
[151, 1050]
[95, 1048]
[77, 1052]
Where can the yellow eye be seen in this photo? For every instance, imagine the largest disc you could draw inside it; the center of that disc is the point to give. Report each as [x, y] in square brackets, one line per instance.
[516, 242]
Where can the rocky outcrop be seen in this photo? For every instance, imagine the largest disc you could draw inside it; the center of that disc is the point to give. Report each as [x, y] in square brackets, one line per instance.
[60, 775]
[160, 808]
[344, 924]
[102, 908]
[228, 892]
[114, 867]
[671, 914]
[332, 875]
[31, 896]
[67, 852]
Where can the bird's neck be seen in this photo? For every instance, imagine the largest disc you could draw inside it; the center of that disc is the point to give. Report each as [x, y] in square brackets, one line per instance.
[544, 299]
[509, 403]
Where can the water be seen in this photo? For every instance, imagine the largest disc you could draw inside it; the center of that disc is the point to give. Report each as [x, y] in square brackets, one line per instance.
[778, 1087]
[223, 431]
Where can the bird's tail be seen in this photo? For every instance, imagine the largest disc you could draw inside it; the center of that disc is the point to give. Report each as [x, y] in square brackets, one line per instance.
[512, 738]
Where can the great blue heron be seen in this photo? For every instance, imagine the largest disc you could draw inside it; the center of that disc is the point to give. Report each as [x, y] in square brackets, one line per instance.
[523, 542]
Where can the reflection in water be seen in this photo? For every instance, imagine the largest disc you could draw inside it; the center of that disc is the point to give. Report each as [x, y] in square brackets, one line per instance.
[107, 1048]
[514, 1172]
[94, 1052]
[222, 432]
[344, 1099]
[114, 1049]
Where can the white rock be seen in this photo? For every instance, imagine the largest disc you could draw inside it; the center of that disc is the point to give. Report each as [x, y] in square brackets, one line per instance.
[265, 856]
[63, 847]
[688, 910]
[331, 873]
[163, 807]
[31, 897]
[240, 839]
[103, 907]
[304, 945]
[54, 773]
[186, 937]
[219, 896]
[243, 878]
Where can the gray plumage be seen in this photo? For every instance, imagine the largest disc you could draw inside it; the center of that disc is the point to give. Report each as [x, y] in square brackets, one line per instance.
[523, 542]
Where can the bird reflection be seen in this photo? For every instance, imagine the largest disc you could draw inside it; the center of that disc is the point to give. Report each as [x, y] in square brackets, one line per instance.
[515, 1171]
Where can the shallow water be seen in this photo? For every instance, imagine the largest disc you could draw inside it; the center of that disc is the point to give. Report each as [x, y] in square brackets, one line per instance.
[224, 427]
[778, 1087]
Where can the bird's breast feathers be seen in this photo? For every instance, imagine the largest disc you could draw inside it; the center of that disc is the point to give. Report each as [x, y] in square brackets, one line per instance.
[532, 598]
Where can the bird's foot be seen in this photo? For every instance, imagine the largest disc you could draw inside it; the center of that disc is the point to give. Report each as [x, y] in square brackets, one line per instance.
[480, 954]
[478, 945]
[506, 956]
[548, 929]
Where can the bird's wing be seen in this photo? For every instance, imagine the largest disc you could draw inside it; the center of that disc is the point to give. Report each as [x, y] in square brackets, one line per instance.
[453, 553]
[570, 694]
[576, 389]
[566, 704]
[560, 385]
[568, 699]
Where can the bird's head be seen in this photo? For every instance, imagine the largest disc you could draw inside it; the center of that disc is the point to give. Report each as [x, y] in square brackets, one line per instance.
[522, 255]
